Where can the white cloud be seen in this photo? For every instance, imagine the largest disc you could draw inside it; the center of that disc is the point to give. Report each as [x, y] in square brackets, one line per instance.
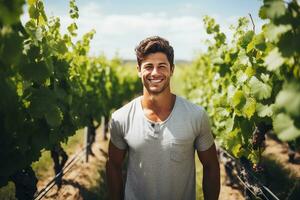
[122, 32]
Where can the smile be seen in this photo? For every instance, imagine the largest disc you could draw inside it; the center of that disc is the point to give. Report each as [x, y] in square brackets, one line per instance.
[155, 80]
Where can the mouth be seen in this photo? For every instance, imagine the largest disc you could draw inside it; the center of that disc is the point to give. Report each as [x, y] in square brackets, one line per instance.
[156, 80]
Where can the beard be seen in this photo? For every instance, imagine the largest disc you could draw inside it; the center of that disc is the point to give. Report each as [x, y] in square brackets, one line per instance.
[156, 89]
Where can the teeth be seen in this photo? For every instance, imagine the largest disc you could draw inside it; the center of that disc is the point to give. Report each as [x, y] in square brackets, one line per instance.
[155, 80]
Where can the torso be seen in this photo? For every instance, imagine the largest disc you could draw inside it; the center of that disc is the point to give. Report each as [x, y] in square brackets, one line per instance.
[161, 164]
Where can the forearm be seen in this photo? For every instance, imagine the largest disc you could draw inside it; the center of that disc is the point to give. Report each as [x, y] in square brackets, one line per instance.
[211, 182]
[115, 181]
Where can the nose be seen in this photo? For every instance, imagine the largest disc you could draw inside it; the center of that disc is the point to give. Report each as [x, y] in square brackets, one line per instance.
[155, 70]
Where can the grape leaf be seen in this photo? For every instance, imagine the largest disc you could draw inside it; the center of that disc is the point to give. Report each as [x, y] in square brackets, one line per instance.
[249, 71]
[249, 108]
[273, 32]
[246, 39]
[289, 98]
[11, 48]
[72, 29]
[238, 98]
[33, 12]
[31, 2]
[274, 60]
[229, 124]
[288, 44]
[241, 77]
[284, 128]
[36, 71]
[264, 110]
[272, 9]
[40, 101]
[259, 89]
[11, 11]
[54, 116]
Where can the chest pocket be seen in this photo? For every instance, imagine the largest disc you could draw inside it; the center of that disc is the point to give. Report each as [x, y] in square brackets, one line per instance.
[181, 150]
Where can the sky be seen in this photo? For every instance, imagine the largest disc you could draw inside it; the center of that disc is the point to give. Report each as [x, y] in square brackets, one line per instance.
[121, 24]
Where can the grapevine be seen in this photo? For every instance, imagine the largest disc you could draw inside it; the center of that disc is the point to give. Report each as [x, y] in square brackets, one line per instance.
[50, 87]
[250, 85]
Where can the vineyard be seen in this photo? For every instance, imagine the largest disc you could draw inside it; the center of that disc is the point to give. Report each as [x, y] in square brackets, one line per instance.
[250, 86]
[52, 88]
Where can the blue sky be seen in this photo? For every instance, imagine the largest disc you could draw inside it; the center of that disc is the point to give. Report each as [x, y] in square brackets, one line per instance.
[120, 25]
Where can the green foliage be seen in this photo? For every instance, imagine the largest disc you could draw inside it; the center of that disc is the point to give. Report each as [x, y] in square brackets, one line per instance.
[10, 11]
[252, 80]
[50, 86]
[283, 125]
[259, 89]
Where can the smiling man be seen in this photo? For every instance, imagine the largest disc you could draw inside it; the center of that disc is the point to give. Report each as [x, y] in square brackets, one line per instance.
[160, 132]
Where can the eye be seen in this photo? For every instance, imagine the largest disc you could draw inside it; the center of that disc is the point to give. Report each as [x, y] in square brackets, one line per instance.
[147, 67]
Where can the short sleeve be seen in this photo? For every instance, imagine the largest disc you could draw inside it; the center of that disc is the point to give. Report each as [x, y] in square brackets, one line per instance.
[204, 138]
[117, 135]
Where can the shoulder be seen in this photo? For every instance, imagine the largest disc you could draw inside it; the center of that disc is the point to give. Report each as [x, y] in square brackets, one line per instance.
[125, 111]
[194, 115]
[192, 108]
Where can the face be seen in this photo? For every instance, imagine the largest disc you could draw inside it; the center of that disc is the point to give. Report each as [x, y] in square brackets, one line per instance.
[155, 72]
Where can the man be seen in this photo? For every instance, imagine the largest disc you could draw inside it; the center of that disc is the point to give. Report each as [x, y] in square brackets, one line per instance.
[160, 133]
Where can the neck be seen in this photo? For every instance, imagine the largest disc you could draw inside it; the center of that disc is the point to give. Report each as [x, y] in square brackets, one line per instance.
[158, 103]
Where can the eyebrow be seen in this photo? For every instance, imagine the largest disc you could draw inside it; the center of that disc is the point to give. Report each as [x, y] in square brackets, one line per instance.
[161, 63]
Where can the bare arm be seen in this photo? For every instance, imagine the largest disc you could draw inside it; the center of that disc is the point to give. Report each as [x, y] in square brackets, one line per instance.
[211, 173]
[114, 172]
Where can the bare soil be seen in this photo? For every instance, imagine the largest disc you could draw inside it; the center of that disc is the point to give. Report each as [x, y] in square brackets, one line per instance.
[227, 192]
[278, 152]
[85, 180]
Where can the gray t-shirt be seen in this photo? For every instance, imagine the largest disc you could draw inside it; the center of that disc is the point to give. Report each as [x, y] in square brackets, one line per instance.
[161, 162]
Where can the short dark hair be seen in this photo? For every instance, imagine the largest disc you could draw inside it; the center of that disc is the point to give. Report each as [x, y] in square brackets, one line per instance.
[154, 44]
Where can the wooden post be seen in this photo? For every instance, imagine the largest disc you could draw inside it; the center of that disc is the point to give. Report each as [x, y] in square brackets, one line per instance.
[103, 128]
[86, 142]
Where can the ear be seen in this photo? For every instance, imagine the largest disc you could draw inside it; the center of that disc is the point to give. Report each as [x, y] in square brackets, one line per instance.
[172, 70]
[139, 70]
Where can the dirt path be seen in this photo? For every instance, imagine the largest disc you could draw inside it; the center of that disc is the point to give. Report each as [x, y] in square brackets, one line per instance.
[227, 192]
[278, 152]
[85, 180]
[281, 176]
